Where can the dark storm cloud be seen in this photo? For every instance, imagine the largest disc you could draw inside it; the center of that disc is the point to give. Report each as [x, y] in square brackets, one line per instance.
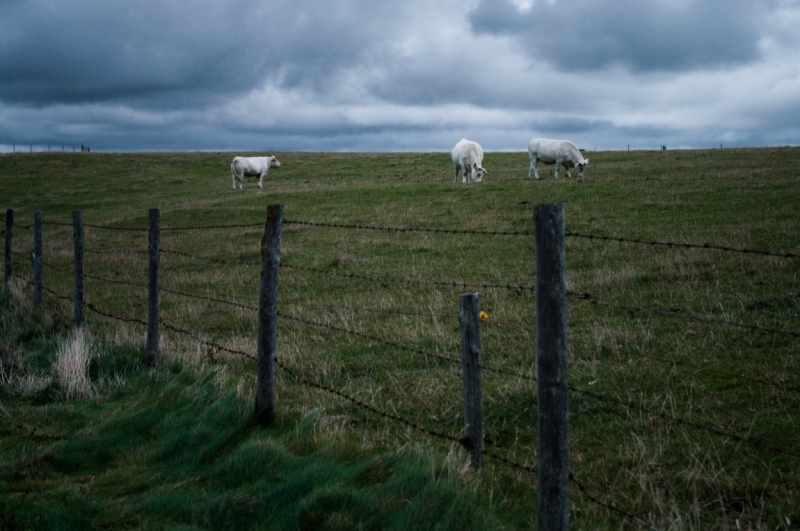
[55, 51]
[658, 35]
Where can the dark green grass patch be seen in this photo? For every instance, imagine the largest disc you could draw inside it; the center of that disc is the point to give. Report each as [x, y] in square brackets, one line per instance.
[175, 449]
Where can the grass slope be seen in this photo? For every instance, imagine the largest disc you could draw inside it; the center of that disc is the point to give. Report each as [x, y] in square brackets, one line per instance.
[650, 459]
[174, 449]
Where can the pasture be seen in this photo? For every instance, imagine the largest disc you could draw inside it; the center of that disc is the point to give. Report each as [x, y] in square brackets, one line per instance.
[685, 420]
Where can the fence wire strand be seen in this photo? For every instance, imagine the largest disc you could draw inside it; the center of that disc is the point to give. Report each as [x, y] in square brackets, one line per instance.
[359, 403]
[755, 441]
[571, 233]
[407, 229]
[388, 280]
[588, 298]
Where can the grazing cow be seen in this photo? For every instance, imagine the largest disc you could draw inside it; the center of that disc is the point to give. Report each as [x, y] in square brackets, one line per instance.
[468, 156]
[249, 166]
[558, 152]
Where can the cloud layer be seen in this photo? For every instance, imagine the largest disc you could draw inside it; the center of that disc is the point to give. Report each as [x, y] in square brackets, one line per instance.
[411, 75]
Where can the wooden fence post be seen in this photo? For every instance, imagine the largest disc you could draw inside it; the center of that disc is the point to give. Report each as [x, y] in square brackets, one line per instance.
[551, 362]
[268, 314]
[79, 306]
[9, 271]
[469, 319]
[153, 284]
[38, 261]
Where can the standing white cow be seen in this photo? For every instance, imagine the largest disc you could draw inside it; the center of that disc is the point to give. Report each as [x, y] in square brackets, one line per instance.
[249, 166]
[558, 152]
[468, 156]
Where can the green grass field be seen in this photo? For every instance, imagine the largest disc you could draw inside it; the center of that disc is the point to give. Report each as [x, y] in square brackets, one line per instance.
[708, 438]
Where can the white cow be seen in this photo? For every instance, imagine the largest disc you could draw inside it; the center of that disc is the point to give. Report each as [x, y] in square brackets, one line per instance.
[558, 152]
[468, 155]
[249, 166]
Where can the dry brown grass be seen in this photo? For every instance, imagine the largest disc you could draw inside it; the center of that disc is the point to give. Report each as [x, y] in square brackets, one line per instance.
[72, 365]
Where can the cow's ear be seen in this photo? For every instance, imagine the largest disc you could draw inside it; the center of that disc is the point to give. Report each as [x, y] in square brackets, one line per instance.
[485, 170]
[586, 162]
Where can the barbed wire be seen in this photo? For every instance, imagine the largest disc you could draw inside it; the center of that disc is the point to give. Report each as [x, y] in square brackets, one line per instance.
[134, 320]
[208, 259]
[206, 227]
[112, 227]
[712, 246]
[463, 441]
[403, 347]
[199, 339]
[112, 281]
[56, 294]
[587, 297]
[209, 299]
[367, 336]
[145, 229]
[598, 501]
[56, 223]
[364, 405]
[407, 229]
[116, 251]
[631, 405]
[386, 280]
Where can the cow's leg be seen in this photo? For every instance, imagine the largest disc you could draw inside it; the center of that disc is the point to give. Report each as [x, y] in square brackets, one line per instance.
[558, 164]
[455, 168]
[533, 170]
[260, 177]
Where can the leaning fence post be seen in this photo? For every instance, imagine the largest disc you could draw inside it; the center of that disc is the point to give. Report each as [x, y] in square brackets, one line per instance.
[9, 226]
[79, 305]
[153, 298]
[469, 319]
[38, 261]
[551, 362]
[268, 314]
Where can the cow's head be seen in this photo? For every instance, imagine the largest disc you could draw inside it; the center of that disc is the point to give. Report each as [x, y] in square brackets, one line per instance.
[273, 162]
[582, 166]
[477, 172]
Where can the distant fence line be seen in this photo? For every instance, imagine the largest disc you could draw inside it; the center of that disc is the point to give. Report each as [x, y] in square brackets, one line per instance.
[553, 472]
[48, 148]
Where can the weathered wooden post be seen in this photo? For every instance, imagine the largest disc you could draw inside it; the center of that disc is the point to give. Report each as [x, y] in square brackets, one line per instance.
[551, 362]
[268, 314]
[79, 304]
[153, 284]
[469, 319]
[9, 271]
[38, 261]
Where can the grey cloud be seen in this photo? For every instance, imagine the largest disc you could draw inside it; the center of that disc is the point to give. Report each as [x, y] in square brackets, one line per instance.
[53, 51]
[658, 35]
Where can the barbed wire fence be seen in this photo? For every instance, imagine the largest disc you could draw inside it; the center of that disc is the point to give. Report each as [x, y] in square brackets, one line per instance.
[465, 441]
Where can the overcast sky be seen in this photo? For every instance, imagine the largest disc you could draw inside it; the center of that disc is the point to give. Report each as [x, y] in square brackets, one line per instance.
[390, 75]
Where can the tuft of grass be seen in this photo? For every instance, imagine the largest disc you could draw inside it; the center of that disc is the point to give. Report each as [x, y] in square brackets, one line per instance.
[72, 365]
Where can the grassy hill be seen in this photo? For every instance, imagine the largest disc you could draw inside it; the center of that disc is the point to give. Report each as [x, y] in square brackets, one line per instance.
[682, 419]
